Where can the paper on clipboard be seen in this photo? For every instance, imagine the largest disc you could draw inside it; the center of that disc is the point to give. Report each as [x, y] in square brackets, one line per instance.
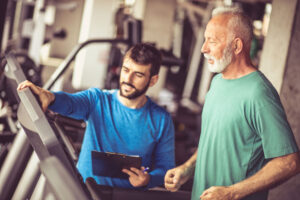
[111, 164]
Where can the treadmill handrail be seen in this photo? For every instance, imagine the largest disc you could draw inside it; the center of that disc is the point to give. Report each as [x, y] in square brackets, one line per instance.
[30, 105]
[65, 64]
[63, 183]
[14, 71]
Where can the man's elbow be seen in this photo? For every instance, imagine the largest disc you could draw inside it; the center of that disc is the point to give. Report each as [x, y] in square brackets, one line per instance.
[295, 164]
[298, 163]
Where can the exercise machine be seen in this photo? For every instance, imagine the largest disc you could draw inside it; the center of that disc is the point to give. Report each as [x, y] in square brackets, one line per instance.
[47, 142]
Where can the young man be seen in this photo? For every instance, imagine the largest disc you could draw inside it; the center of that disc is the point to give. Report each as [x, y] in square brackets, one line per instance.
[124, 121]
[246, 144]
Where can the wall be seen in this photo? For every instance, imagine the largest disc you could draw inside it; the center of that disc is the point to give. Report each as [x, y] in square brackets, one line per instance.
[276, 44]
[90, 66]
[70, 21]
[159, 33]
[290, 96]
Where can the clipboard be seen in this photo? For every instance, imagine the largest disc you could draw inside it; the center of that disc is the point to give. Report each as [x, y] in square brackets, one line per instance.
[111, 164]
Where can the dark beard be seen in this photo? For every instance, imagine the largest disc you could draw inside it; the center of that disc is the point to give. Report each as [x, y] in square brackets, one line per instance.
[136, 93]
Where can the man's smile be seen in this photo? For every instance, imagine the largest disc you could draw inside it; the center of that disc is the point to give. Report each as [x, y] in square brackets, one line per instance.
[128, 87]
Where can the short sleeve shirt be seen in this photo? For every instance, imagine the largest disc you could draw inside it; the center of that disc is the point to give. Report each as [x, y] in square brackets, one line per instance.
[243, 126]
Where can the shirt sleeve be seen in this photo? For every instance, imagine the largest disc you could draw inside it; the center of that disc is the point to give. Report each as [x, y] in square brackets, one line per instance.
[77, 105]
[272, 126]
[164, 156]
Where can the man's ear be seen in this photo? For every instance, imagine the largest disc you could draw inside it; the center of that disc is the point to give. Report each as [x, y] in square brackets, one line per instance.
[153, 80]
[238, 46]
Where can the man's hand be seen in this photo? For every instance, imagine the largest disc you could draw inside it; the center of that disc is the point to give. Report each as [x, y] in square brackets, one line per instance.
[175, 177]
[137, 177]
[45, 96]
[217, 193]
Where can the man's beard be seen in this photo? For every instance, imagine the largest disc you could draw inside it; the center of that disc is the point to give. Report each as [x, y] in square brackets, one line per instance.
[219, 65]
[137, 93]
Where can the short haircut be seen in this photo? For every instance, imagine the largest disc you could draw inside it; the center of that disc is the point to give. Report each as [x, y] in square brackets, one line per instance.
[239, 23]
[145, 54]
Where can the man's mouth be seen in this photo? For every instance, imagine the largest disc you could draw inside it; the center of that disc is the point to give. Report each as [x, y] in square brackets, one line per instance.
[210, 61]
[127, 86]
[209, 58]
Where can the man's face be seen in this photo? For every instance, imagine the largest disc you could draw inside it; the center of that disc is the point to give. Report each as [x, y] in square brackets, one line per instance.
[216, 48]
[134, 79]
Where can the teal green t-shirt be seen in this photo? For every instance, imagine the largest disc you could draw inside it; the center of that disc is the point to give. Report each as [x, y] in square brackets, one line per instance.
[243, 126]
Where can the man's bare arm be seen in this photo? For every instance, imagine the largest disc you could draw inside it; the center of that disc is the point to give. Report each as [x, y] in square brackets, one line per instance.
[190, 164]
[273, 173]
[176, 177]
[46, 97]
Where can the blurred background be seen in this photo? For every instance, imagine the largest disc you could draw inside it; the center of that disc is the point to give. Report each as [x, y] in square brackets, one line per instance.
[72, 45]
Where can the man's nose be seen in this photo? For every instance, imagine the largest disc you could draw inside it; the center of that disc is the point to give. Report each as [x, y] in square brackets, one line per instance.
[204, 48]
[128, 77]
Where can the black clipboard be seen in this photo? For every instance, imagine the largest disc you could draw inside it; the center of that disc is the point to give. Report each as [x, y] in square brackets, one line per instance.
[111, 164]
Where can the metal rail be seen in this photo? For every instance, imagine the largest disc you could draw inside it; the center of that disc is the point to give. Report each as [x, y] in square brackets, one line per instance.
[65, 64]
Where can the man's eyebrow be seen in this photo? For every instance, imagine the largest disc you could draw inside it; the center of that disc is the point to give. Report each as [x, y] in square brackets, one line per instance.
[136, 72]
[212, 39]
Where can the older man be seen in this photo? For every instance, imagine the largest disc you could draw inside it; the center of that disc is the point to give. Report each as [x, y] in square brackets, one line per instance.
[246, 144]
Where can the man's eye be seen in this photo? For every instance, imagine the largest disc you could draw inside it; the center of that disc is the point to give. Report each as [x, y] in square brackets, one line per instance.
[139, 75]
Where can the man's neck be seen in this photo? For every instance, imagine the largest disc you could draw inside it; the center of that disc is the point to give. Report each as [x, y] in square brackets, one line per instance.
[133, 103]
[238, 68]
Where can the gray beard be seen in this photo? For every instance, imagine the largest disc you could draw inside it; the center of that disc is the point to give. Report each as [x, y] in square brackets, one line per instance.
[220, 65]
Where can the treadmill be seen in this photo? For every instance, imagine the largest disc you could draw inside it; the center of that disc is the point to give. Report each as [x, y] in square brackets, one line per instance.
[19, 151]
[50, 148]
[41, 133]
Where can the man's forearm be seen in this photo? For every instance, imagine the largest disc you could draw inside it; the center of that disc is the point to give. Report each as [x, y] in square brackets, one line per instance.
[189, 165]
[274, 172]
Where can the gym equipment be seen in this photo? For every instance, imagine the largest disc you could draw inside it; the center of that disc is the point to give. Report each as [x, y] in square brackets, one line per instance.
[8, 96]
[20, 150]
[13, 166]
[34, 119]
[63, 184]
[46, 141]
[133, 35]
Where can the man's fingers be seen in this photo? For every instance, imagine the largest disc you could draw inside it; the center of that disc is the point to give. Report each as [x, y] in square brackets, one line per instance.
[172, 181]
[171, 184]
[29, 84]
[169, 176]
[169, 180]
[171, 187]
[26, 84]
[44, 106]
[204, 193]
[137, 171]
[130, 173]
[23, 85]
[45, 97]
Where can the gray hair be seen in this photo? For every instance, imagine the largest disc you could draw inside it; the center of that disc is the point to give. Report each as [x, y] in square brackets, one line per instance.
[239, 23]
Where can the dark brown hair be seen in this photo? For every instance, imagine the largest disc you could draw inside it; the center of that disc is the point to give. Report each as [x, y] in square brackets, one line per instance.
[145, 54]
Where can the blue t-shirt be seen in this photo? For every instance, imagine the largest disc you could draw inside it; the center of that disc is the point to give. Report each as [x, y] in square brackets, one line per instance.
[112, 127]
